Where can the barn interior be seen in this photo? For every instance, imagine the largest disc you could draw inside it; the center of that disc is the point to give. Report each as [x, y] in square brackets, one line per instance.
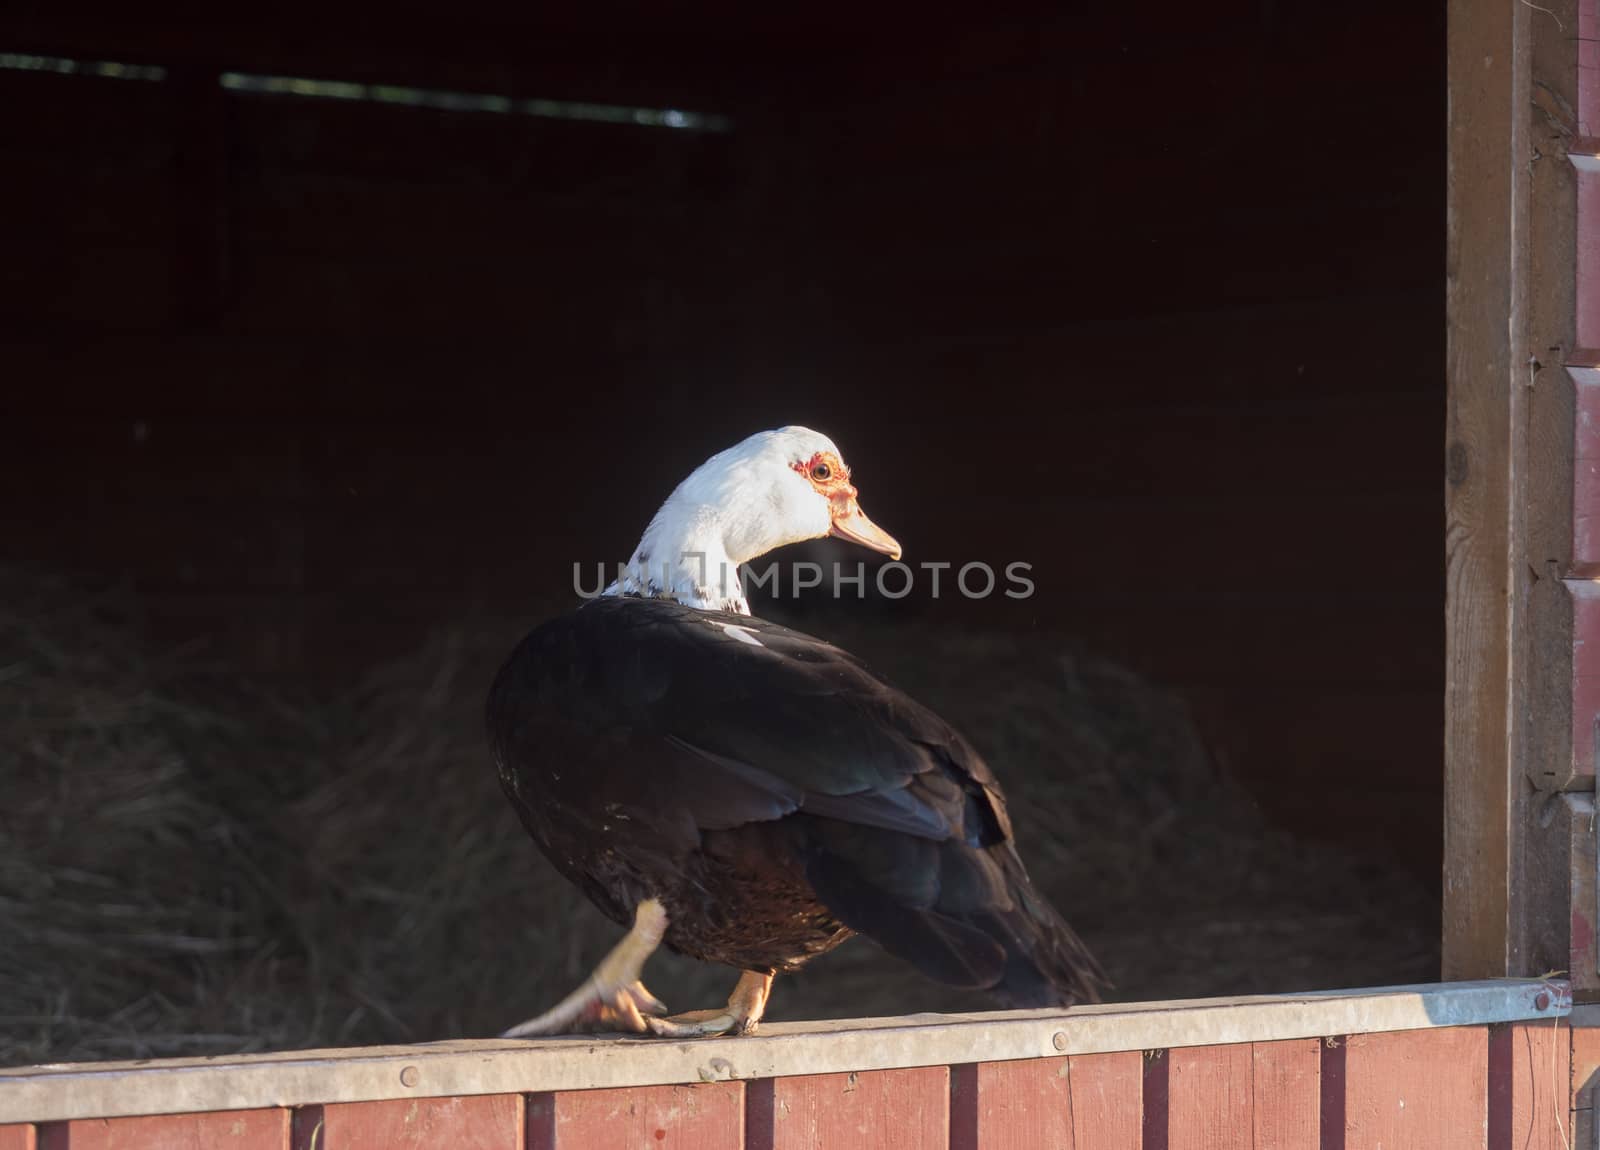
[332, 344]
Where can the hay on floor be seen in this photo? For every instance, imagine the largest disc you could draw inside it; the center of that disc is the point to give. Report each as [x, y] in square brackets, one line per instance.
[201, 864]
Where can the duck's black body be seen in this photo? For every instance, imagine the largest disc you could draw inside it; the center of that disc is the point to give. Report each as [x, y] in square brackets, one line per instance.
[773, 794]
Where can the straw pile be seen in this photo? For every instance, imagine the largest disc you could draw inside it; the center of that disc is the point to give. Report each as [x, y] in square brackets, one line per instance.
[197, 864]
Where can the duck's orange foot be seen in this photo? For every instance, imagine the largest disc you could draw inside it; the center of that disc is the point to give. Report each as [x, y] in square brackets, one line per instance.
[746, 1005]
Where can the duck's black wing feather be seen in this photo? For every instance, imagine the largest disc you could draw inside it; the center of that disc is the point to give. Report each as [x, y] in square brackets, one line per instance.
[675, 722]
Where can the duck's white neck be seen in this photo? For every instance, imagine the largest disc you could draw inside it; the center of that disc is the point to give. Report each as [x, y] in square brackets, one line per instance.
[684, 558]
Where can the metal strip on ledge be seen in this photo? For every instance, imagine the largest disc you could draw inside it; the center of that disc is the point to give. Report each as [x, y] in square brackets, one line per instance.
[500, 1066]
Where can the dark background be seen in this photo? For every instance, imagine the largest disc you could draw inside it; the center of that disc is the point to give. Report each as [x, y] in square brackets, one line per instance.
[1149, 298]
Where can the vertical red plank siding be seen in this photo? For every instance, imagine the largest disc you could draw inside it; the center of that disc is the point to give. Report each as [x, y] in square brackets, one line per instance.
[1287, 1089]
[1209, 1098]
[1107, 1100]
[1586, 446]
[878, 1109]
[1011, 1105]
[1585, 1080]
[1588, 253]
[484, 1122]
[219, 1130]
[1586, 459]
[1426, 1089]
[705, 1117]
[1585, 1065]
[1530, 1071]
[18, 1138]
[1541, 1092]
[1585, 669]
[1588, 68]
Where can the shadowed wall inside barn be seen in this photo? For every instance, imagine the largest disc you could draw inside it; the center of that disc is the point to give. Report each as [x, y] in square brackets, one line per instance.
[1154, 304]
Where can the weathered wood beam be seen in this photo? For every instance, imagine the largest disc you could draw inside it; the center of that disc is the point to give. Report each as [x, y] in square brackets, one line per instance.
[1512, 253]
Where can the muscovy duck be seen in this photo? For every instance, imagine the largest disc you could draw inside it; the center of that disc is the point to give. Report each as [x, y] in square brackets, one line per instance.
[749, 795]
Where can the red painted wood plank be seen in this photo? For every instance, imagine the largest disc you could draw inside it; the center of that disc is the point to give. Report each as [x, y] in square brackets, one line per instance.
[1107, 1100]
[1588, 253]
[1585, 1066]
[484, 1122]
[1417, 1088]
[882, 1109]
[1087, 1102]
[1287, 1089]
[709, 1116]
[1585, 1082]
[1541, 1090]
[1586, 501]
[18, 1137]
[1585, 709]
[1011, 1105]
[1529, 1078]
[1209, 1093]
[220, 1130]
[1585, 672]
[1588, 64]
[1583, 956]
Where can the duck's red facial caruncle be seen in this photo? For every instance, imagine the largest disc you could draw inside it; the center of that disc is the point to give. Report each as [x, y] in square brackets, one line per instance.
[830, 478]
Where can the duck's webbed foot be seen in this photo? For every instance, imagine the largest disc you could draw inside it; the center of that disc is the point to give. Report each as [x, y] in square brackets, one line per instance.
[746, 1005]
[612, 998]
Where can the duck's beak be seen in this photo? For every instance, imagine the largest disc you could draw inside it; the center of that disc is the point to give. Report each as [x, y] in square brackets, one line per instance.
[850, 522]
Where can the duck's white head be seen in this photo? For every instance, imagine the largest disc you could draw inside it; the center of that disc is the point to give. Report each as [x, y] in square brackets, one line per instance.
[774, 488]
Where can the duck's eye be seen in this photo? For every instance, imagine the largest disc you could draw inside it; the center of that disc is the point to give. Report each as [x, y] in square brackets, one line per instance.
[822, 473]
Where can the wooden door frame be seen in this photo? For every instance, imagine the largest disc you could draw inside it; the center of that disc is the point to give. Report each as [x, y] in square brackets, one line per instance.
[1519, 861]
